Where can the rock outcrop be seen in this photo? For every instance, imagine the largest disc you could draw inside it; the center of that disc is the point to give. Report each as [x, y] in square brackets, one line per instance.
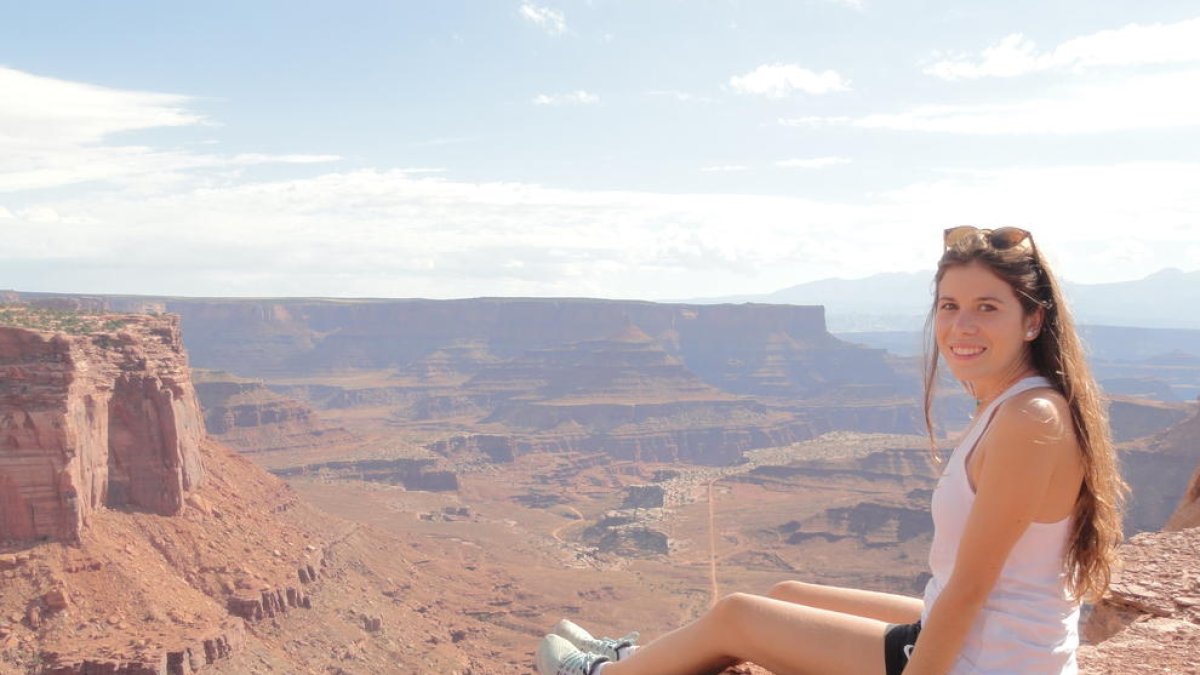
[645, 497]
[629, 533]
[268, 603]
[232, 405]
[147, 593]
[1149, 621]
[106, 417]
[869, 523]
[249, 416]
[205, 651]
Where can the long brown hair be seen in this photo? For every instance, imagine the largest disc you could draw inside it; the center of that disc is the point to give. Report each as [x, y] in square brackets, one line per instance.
[1058, 355]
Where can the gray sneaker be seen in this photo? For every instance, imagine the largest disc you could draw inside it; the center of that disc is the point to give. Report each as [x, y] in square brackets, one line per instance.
[584, 641]
[556, 656]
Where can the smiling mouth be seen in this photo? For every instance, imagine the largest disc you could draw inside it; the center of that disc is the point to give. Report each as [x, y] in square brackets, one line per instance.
[967, 351]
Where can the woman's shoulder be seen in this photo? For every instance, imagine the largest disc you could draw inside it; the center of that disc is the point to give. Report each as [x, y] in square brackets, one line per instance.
[1041, 415]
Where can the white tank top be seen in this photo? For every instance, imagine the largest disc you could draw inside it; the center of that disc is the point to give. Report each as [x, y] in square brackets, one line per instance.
[1028, 625]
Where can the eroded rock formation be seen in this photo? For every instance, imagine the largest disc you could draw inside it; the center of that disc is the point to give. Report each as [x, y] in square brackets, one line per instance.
[629, 533]
[1149, 621]
[106, 419]
[203, 651]
[247, 415]
[231, 405]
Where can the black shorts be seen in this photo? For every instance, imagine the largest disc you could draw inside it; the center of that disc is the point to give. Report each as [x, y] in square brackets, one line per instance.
[898, 642]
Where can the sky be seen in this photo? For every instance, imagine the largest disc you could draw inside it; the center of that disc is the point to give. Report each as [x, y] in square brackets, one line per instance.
[604, 148]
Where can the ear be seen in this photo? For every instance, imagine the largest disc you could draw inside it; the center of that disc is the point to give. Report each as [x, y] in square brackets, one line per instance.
[1033, 324]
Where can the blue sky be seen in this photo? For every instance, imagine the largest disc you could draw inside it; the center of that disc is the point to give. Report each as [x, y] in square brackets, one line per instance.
[651, 149]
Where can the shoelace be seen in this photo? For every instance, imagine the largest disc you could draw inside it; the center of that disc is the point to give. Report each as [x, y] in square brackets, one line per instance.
[606, 644]
[578, 663]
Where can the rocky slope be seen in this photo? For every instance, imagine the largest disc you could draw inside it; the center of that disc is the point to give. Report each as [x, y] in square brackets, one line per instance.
[133, 544]
[1149, 621]
[245, 579]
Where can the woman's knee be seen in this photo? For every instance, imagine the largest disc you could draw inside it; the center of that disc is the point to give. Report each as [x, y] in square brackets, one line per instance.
[792, 591]
[731, 610]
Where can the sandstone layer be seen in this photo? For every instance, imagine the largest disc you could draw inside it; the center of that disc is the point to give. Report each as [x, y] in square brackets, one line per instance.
[92, 420]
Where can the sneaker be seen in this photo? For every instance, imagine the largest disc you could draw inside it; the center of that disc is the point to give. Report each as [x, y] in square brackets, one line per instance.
[556, 656]
[584, 641]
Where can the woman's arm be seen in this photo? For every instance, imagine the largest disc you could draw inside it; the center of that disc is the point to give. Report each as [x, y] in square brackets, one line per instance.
[1023, 445]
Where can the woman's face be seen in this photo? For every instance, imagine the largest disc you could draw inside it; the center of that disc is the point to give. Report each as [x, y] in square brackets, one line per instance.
[980, 326]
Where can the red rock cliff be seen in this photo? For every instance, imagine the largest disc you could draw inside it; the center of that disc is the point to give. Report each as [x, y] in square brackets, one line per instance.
[106, 417]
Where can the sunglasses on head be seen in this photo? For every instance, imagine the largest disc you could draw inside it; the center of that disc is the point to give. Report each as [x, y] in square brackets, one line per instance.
[1000, 239]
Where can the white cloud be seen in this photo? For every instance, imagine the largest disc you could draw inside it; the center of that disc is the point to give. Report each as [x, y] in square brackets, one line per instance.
[1193, 257]
[724, 168]
[550, 20]
[404, 235]
[779, 80]
[1126, 253]
[681, 96]
[1078, 214]
[852, 4]
[577, 97]
[1159, 101]
[811, 163]
[435, 142]
[55, 133]
[169, 221]
[43, 109]
[40, 215]
[1131, 45]
[256, 158]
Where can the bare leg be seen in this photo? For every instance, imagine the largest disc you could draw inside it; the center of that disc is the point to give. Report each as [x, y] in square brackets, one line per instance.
[784, 637]
[885, 607]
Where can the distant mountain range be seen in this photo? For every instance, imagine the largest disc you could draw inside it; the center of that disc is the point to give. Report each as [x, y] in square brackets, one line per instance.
[899, 301]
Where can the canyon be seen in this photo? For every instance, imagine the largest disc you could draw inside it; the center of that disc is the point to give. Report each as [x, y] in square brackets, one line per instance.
[460, 474]
[132, 543]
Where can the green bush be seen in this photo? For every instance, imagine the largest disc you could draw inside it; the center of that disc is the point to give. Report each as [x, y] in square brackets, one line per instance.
[72, 322]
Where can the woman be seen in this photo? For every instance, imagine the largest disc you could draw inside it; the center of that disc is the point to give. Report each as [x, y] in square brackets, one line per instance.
[1027, 512]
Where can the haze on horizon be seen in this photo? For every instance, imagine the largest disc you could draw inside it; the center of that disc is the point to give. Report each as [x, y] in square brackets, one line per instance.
[585, 147]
